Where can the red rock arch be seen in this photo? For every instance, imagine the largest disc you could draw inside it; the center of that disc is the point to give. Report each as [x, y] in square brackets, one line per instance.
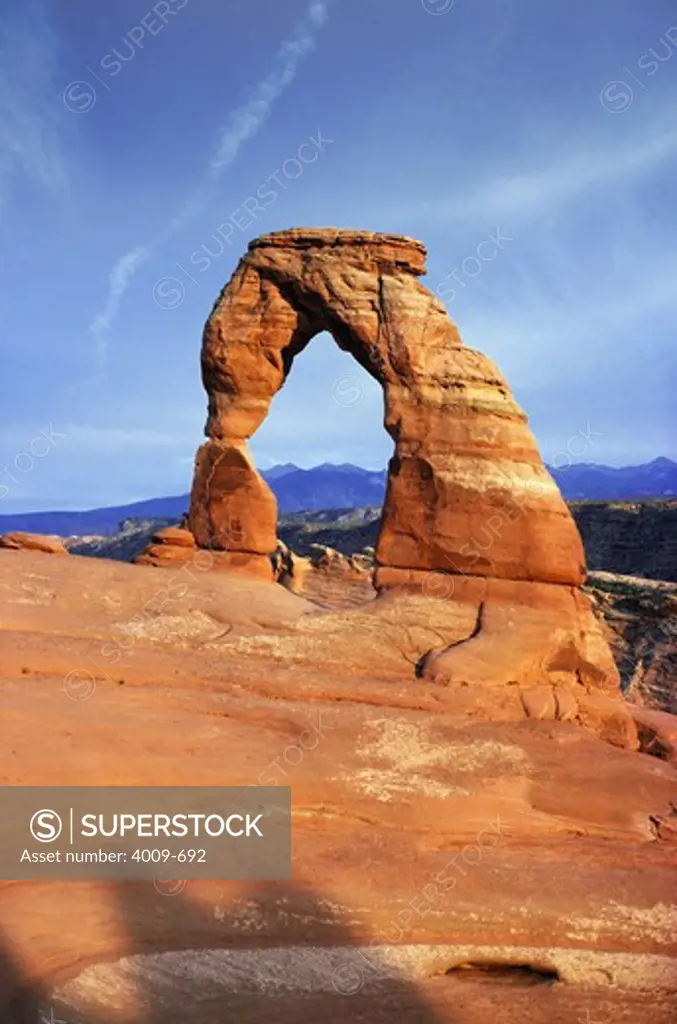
[467, 490]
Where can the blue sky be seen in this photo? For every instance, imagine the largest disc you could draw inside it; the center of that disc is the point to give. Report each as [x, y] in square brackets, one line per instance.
[130, 133]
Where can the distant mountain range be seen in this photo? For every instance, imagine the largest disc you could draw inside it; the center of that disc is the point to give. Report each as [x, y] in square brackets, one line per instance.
[326, 486]
[586, 481]
[346, 486]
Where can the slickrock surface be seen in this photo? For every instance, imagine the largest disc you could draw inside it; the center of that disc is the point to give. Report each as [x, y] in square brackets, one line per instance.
[18, 541]
[454, 861]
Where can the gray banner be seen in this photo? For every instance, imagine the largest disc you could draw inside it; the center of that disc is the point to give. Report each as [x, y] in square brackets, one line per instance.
[145, 832]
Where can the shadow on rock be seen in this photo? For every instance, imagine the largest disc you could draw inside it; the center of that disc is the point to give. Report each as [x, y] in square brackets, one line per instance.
[278, 953]
[20, 998]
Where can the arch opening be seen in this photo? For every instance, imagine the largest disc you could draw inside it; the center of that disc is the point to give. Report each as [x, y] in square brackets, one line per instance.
[323, 450]
[316, 318]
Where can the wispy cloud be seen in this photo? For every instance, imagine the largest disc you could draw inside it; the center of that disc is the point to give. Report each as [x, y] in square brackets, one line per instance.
[247, 120]
[544, 334]
[118, 282]
[29, 142]
[242, 124]
[564, 177]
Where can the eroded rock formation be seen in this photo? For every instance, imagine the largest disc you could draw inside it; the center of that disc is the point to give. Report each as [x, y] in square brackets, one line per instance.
[467, 489]
[19, 541]
[326, 577]
[170, 546]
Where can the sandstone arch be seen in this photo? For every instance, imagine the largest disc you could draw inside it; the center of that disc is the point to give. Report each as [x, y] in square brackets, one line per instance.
[467, 490]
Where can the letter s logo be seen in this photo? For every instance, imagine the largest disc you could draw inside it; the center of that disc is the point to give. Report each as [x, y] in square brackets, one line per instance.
[46, 826]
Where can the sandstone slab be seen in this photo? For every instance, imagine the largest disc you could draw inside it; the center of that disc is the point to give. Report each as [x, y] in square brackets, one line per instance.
[447, 867]
[18, 541]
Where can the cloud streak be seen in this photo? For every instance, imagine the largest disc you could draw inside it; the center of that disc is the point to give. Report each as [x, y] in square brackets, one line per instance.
[118, 282]
[566, 178]
[247, 120]
[242, 124]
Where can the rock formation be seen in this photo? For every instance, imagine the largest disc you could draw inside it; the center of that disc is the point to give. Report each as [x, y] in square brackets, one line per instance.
[471, 514]
[19, 541]
[169, 546]
[326, 577]
[174, 546]
[467, 489]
